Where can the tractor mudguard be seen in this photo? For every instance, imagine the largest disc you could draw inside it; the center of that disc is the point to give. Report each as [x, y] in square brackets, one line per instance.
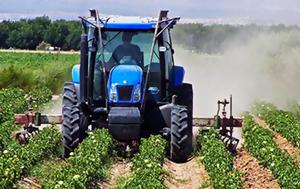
[165, 111]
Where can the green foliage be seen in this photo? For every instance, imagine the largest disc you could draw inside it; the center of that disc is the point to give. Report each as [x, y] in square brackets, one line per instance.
[13, 101]
[6, 130]
[17, 160]
[280, 121]
[28, 34]
[43, 169]
[147, 170]
[88, 162]
[294, 108]
[33, 70]
[259, 142]
[42, 94]
[218, 161]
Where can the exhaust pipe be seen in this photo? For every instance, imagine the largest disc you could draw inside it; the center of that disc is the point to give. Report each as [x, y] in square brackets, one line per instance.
[83, 67]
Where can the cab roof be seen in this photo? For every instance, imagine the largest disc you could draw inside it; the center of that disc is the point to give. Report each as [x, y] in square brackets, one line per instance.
[127, 23]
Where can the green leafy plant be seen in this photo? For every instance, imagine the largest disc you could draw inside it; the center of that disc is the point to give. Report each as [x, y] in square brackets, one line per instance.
[89, 161]
[30, 71]
[12, 101]
[42, 96]
[6, 130]
[217, 160]
[280, 121]
[16, 160]
[147, 170]
[259, 142]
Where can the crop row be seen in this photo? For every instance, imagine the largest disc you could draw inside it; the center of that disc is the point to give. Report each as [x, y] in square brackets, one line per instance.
[217, 161]
[16, 159]
[259, 142]
[147, 169]
[88, 162]
[280, 121]
[12, 101]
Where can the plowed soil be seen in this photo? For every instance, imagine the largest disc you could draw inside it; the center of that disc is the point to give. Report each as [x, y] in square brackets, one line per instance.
[282, 142]
[254, 175]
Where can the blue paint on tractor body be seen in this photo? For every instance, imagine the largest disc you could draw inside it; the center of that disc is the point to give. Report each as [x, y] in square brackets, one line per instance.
[130, 26]
[75, 74]
[177, 76]
[150, 25]
[125, 75]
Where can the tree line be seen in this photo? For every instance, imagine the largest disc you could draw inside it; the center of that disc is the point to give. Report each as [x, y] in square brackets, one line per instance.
[29, 33]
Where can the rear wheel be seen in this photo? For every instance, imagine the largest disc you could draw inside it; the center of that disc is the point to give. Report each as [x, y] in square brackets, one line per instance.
[180, 145]
[74, 122]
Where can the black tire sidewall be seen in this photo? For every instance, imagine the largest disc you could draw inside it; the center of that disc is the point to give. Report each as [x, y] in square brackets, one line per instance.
[73, 129]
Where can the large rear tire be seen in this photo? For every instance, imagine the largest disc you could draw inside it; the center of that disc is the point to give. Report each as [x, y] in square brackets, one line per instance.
[74, 122]
[185, 98]
[180, 145]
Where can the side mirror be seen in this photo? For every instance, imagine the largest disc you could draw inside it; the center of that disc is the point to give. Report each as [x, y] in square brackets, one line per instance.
[176, 76]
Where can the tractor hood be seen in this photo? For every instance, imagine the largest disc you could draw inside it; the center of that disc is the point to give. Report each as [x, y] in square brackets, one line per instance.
[124, 84]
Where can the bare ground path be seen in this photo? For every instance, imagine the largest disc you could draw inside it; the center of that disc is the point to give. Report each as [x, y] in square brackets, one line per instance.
[282, 142]
[254, 175]
[119, 169]
[189, 175]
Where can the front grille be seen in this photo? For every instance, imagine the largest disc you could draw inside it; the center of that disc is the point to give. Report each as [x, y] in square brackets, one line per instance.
[124, 92]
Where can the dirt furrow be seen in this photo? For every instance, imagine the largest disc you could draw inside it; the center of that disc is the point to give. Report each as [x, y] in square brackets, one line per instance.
[28, 183]
[254, 175]
[190, 175]
[282, 142]
[119, 169]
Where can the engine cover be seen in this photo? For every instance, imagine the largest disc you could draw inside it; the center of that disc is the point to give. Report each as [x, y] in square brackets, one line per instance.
[125, 84]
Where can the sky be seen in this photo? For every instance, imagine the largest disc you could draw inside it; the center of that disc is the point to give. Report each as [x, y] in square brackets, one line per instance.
[258, 11]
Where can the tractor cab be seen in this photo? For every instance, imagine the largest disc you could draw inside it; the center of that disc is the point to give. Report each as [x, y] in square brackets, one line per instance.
[125, 53]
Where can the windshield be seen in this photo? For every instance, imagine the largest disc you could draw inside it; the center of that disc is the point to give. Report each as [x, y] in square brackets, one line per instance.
[127, 47]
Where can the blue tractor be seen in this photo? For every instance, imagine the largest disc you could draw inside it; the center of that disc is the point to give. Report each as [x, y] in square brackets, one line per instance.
[127, 82]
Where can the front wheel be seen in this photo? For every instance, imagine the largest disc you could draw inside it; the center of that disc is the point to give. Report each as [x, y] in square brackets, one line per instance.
[180, 145]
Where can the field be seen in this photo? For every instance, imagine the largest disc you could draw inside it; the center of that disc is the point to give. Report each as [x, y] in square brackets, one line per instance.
[33, 70]
[268, 158]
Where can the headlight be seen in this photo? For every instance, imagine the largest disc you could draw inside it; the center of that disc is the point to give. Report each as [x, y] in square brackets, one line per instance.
[113, 93]
[137, 93]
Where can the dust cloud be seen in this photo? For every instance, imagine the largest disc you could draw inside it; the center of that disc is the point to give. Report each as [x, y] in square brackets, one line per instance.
[265, 67]
[54, 106]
